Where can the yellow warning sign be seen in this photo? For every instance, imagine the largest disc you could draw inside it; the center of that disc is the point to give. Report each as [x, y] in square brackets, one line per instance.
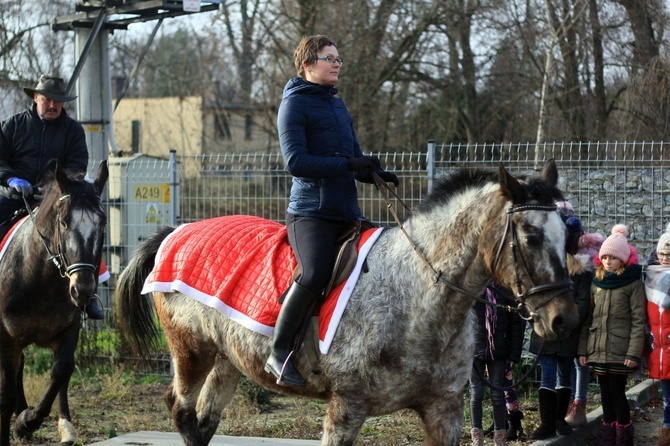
[152, 192]
[152, 215]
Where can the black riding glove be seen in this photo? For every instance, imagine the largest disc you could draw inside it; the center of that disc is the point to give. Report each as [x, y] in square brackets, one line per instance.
[365, 176]
[364, 162]
[389, 177]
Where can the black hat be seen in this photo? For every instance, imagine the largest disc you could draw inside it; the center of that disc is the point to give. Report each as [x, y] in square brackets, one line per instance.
[52, 87]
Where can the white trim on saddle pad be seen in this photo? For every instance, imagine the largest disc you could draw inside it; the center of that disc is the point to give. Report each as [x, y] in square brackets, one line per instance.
[331, 320]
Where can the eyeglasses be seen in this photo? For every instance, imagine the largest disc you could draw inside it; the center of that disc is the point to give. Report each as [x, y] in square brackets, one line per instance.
[331, 60]
[665, 255]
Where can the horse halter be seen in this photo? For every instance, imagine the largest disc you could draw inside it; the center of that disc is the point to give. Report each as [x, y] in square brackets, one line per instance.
[59, 259]
[510, 228]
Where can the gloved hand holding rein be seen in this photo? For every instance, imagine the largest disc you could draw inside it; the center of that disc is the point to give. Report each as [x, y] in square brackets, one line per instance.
[364, 162]
[21, 186]
[365, 176]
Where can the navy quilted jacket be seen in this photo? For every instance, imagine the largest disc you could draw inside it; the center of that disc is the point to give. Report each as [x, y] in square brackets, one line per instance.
[316, 135]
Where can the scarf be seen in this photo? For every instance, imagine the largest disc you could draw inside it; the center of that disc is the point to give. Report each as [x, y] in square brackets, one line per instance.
[657, 285]
[491, 317]
[613, 280]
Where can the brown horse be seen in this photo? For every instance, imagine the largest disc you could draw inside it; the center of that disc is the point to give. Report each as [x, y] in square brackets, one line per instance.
[49, 273]
[405, 340]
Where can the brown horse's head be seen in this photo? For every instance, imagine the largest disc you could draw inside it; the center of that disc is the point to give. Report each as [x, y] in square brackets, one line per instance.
[530, 259]
[72, 215]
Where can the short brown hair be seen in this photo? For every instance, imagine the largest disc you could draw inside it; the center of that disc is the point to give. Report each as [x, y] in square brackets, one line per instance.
[308, 49]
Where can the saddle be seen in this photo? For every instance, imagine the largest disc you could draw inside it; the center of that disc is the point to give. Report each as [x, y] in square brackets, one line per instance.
[345, 261]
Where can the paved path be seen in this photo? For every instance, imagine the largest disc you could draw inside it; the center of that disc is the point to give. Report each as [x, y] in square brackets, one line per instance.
[638, 396]
[148, 438]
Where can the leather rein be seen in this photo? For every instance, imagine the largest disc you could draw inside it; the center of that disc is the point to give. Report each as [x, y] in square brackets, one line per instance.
[510, 227]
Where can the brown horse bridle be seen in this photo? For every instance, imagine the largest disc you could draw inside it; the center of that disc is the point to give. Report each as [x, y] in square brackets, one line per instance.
[59, 259]
[510, 227]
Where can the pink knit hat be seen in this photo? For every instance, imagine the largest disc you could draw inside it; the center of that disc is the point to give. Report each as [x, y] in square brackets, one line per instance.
[616, 244]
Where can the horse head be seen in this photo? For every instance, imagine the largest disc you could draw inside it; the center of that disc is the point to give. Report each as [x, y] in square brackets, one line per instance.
[71, 222]
[530, 259]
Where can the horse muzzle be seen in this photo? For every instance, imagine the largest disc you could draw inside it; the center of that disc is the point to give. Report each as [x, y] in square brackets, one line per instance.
[555, 316]
[83, 283]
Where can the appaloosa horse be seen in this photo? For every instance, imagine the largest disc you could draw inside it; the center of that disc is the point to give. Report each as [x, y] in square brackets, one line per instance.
[404, 340]
[49, 271]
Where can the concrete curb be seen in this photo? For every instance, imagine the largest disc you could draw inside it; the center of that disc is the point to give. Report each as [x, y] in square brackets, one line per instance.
[638, 396]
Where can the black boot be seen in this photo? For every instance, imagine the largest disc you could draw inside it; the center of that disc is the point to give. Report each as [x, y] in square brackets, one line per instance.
[514, 429]
[547, 427]
[93, 310]
[563, 397]
[297, 304]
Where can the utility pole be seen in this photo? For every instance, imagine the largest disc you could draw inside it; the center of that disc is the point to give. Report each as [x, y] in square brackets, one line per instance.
[92, 22]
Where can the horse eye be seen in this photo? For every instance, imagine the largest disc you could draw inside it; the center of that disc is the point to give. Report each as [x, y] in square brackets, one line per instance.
[533, 240]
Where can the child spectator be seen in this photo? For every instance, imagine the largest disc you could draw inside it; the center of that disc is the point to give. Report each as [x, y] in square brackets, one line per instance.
[613, 335]
[657, 287]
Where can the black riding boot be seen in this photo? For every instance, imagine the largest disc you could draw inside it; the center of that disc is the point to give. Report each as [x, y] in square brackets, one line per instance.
[297, 304]
[563, 398]
[547, 427]
[93, 309]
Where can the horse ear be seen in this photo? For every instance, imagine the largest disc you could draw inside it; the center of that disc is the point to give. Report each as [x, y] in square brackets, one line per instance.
[101, 177]
[550, 172]
[509, 186]
[60, 174]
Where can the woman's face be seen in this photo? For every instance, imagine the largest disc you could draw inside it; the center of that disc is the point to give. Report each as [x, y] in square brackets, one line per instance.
[664, 258]
[611, 263]
[323, 71]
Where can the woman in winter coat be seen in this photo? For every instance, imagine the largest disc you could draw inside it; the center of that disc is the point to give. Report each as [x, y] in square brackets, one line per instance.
[557, 357]
[498, 339]
[321, 152]
[613, 335]
[657, 287]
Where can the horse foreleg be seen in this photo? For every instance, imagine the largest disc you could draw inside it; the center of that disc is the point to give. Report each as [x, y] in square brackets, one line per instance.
[30, 419]
[342, 423]
[65, 427]
[443, 420]
[21, 403]
[191, 371]
[9, 363]
[215, 395]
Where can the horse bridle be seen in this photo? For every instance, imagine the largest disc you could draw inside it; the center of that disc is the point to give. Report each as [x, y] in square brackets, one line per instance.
[510, 227]
[59, 259]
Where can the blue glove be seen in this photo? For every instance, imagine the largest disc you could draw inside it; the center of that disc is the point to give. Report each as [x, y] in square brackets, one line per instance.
[21, 186]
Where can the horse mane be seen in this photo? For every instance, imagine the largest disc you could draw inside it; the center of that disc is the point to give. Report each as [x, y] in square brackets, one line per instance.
[455, 183]
[75, 186]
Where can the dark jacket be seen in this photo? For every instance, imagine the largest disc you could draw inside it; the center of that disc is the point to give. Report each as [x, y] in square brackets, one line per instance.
[27, 144]
[508, 333]
[581, 269]
[316, 135]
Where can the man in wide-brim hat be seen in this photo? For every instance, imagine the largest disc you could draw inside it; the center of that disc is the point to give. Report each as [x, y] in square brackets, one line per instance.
[30, 139]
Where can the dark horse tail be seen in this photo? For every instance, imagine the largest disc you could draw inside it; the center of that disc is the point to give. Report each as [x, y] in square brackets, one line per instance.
[135, 314]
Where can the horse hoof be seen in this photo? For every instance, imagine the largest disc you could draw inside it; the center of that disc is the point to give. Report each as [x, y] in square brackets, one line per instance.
[66, 431]
[22, 429]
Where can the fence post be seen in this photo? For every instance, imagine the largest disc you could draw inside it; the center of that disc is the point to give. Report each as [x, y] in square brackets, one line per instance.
[174, 183]
[430, 163]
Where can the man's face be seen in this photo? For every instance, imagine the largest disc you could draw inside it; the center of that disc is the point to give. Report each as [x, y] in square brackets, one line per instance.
[47, 108]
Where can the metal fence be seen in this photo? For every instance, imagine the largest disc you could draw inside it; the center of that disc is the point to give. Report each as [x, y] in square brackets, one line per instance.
[607, 183]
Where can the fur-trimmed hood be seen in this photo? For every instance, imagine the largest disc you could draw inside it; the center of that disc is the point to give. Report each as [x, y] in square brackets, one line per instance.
[579, 263]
